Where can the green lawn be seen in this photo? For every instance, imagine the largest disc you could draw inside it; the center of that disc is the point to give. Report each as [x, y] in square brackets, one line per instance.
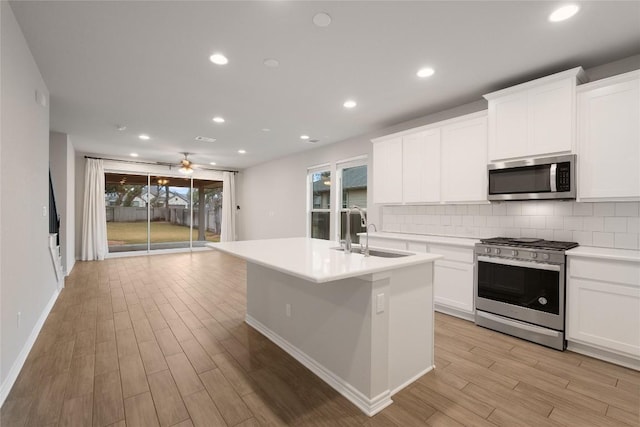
[123, 233]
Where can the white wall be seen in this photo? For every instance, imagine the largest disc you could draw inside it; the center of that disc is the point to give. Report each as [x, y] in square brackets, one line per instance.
[27, 274]
[62, 165]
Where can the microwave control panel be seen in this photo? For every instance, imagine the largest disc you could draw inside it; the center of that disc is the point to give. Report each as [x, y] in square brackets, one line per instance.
[563, 177]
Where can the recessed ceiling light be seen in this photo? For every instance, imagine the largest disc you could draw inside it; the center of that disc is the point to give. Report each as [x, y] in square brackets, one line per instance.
[271, 62]
[242, 151]
[134, 154]
[304, 136]
[349, 103]
[212, 163]
[144, 137]
[218, 119]
[322, 19]
[564, 12]
[219, 59]
[425, 72]
[266, 130]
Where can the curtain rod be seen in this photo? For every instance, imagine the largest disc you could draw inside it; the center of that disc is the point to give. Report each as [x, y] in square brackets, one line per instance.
[170, 165]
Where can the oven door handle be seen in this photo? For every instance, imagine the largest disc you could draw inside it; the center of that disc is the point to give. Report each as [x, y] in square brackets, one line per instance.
[517, 263]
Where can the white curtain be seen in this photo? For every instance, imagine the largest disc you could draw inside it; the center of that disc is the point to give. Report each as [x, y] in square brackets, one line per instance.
[94, 216]
[228, 233]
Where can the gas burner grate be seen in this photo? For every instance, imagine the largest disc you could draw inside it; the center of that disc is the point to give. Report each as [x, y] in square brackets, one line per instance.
[527, 242]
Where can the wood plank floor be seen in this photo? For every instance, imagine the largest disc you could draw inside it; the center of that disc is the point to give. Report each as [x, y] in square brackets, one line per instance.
[160, 340]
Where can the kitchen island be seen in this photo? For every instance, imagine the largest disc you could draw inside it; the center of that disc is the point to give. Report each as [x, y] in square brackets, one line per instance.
[362, 324]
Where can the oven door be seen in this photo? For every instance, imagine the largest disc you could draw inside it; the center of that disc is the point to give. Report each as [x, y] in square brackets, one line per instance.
[524, 290]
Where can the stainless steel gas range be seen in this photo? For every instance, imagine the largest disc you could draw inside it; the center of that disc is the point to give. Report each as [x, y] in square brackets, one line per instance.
[520, 288]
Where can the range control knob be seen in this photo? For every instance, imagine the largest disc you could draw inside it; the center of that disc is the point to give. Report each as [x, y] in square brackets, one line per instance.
[545, 256]
[542, 301]
[534, 255]
[487, 250]
[497, 251]
[514, 253]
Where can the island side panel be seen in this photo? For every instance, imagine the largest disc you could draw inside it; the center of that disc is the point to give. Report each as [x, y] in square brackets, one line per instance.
[411, 325]
[330, 323]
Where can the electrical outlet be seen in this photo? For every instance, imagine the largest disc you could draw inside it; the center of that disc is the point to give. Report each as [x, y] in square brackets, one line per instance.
[379, 303]
[18, 319]
[287, 310]
[44, 211]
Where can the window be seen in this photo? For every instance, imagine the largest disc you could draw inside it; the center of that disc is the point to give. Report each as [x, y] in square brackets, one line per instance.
[352, 179]
[320, 204]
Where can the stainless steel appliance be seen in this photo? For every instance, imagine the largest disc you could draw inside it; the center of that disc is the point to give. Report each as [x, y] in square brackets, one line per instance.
[533, 179]
[520, 288]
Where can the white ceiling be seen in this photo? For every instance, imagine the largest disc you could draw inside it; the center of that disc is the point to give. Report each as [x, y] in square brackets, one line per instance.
[145, 65]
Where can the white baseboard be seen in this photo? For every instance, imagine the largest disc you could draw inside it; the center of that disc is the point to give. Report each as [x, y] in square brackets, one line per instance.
[412, 379]
[369, 406]
[607, 356]
[454, 312]
[5, 388]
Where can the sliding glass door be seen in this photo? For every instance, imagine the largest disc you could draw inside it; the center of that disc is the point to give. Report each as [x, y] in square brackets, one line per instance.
[153, 212]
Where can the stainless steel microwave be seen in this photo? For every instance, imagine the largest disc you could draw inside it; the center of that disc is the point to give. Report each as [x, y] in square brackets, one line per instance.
[533, 179]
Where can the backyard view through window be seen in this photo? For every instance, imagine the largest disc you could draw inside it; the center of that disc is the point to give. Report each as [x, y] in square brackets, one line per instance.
[161, 212]
[353, 193]
[320, 204]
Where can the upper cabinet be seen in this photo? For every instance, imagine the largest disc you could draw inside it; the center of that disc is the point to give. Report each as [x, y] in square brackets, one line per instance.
[534, 118]
[387, 171]
[464, 161]
[609, 139]
[441, 162]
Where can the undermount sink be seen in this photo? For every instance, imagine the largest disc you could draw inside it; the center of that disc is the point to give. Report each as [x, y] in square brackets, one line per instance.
[375, 252]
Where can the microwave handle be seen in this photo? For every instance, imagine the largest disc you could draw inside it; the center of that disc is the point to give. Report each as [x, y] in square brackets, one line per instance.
[552, 177]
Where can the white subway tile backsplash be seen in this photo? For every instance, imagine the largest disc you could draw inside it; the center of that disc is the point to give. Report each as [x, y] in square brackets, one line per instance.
[594, 223]
[604, 240]
[555, 222]
[538, 222]
[563, 235]
[573, 223]
[583, 237]
[603, 209]
[583, 209]
[514, 208]
[486, 210]
[522, 221]
[506, 221]
[626, 240]
[627, 209]
[499, 208]
[563, 209]
[615, 225]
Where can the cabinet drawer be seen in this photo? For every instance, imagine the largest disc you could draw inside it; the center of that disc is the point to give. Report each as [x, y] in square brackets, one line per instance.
[453, 253]
[611, 271]
[453, 285]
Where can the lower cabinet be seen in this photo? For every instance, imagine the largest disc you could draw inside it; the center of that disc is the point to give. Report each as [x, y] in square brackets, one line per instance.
[603, 309]
[453, 275]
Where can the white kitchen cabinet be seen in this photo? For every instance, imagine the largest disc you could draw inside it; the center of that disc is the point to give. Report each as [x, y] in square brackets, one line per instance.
[387, 171]
[464, 161]
[603, 308]
[421, 167]
[534, 118]
[609, 139]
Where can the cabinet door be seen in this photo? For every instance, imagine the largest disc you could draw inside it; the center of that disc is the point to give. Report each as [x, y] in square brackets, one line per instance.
[421, 167]
[550, 118]
[453, 285]
[508, 126]
[464, 161]
[387, 171]
[608, 142]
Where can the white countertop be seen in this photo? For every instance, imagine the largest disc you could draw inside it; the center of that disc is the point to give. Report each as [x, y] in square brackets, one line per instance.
[445, 240]
[314, 260]
[605, 253]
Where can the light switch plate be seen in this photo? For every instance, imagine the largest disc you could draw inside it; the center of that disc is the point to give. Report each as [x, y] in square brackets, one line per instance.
[379, 303]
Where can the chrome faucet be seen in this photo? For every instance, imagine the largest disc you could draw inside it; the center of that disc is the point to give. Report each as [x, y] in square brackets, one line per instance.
[363, 223]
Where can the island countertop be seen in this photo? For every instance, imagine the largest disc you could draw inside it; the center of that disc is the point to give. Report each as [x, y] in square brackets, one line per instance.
[315, 260]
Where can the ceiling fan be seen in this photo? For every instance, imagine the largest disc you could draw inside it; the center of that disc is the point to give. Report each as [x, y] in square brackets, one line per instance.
[186, 165]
